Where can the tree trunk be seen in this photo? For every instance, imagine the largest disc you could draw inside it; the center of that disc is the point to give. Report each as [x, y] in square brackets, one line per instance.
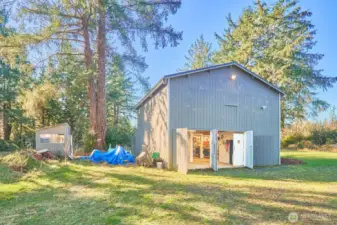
[101, 98]
[91, 78]
[7, 127]
[42, 119]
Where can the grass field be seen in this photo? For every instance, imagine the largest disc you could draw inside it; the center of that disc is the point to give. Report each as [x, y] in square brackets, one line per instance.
[83, 193]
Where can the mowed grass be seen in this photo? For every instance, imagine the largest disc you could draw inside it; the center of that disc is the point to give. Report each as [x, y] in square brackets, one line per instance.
[85, 193]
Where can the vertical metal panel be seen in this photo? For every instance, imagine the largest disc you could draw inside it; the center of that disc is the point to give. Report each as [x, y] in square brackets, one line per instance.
[152, 125]
[169, 133]
[228, 105]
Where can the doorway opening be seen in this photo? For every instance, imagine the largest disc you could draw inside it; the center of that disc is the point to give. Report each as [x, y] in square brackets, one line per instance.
[202, 149]
[199, 145]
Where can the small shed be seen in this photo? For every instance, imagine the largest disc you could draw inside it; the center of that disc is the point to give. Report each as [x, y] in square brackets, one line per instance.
[56, 139]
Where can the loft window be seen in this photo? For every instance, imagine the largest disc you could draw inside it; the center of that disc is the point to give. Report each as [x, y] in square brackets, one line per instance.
[52, 138]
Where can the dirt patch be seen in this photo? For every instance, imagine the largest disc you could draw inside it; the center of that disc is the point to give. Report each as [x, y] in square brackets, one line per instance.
[289, 161]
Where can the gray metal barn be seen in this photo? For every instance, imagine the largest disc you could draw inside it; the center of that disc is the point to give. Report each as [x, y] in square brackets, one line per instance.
[56, 139]
[220, 116]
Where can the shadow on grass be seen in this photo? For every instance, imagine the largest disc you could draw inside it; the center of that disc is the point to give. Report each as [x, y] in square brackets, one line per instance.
[316, 169]
[130, 196]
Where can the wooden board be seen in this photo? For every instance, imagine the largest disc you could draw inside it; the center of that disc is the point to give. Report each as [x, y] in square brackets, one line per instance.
[214, 150]
[182, 149]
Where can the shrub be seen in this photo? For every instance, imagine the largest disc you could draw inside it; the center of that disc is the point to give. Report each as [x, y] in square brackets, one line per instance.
[19, 161]
[307, 144]
[300, 145]
[322, 137]
[318, 137]
[291, 139]
[25, 139]
[120, 134]
[8, 146]
[331, 136]
[330, 141]
[292, 146]
[89, 141]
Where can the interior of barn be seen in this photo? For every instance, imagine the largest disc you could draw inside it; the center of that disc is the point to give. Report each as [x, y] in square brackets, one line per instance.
[199, 149]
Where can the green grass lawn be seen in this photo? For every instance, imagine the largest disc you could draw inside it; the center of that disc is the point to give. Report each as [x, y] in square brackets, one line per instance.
[84, 193]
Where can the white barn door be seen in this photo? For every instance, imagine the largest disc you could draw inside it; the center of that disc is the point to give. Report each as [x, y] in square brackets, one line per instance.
[182, 149]
[249, 150]
[214, 150]
[238, 153]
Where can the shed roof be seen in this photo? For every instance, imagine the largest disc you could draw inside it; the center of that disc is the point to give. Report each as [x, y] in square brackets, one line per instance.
[53, 126]
[163, 80]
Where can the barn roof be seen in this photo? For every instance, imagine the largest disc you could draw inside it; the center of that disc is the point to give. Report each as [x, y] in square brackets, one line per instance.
[163, 81]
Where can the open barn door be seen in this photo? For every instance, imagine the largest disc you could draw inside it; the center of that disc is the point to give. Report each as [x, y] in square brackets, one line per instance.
[238, 154]
[249, 150]
[214, 150]
[182, 149]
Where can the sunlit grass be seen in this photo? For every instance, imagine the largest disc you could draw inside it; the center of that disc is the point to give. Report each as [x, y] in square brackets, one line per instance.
[85, 193]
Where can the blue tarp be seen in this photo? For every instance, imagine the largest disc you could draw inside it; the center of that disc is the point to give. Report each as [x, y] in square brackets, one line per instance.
[114, 156]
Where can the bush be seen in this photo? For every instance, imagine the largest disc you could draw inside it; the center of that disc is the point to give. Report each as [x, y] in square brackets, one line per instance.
[307, 144]
[291, 140]
[19, 161]
[7, 146]
[331, 136]
[300, 145]
[115, 136]
[121, 134]
[330, 141]
[89, 141]
[322, 137]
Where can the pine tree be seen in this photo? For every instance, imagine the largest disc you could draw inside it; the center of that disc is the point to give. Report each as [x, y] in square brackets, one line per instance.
[121, 93]
[275, 41]
[112, 26]
[199, 55]
[9, 85]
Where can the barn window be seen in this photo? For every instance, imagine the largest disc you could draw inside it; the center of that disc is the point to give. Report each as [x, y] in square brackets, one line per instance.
[51, 138]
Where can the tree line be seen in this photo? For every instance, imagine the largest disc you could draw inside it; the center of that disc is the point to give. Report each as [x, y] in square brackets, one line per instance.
[75, 61]
[78, 53]
[276, 42]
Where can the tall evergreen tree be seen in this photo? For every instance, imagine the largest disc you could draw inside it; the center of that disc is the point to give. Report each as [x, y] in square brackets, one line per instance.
[199, 55]
[10, 79]
[72, 105]
[121, 93]
[275, 41]
[112, 26]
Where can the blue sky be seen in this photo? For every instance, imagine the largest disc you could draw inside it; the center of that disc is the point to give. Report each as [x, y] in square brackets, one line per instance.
[196, 17]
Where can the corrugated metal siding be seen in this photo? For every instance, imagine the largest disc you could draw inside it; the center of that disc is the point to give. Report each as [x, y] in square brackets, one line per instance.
[210, 100]
[152, 127]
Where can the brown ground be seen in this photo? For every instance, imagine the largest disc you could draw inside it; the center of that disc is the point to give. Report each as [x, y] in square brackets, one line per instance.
[288, 161]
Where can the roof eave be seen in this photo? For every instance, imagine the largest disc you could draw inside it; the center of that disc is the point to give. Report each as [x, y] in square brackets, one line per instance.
[163, 79]
[149, 94]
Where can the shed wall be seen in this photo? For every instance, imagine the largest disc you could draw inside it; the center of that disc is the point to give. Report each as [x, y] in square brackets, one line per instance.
[57, 148]
[211, 100]
[152, 127]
